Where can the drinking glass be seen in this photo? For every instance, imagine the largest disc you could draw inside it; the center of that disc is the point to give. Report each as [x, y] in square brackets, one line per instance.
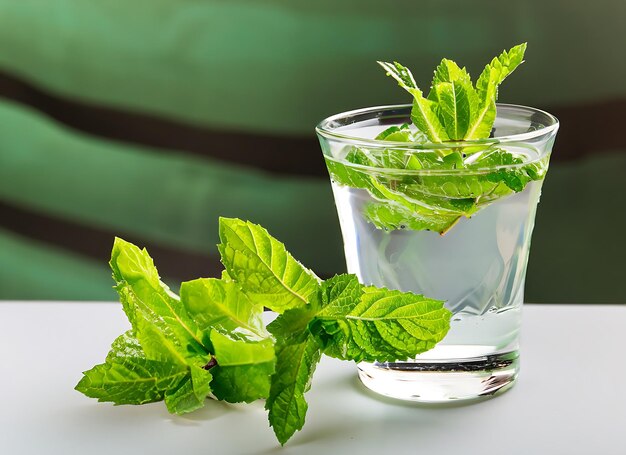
[477, 263]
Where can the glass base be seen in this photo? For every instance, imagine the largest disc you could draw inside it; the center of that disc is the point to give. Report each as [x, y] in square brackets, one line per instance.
[440, 381]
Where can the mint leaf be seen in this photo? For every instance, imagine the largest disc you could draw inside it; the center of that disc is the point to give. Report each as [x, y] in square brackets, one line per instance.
[297, 355]
[161, 323]
[448, 71]
[400, 73]
[398, 217]
[339, 323]
[221, 304]
[128, 377]
[368, 324]
[125, 346]
[245, 365]
[163, 355]
[487, 90]
[161, 326]
[294, 370]
[457, 100]
[191, 392]
[407, 207]
[456, 97]
[239, 341]
[424, 114]
[402, 133]
[263, 267]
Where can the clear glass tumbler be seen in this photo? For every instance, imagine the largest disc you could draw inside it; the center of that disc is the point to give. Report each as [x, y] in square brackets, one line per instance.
[476, 262]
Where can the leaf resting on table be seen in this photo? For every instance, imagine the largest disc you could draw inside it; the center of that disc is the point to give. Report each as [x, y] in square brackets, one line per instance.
[212, 340]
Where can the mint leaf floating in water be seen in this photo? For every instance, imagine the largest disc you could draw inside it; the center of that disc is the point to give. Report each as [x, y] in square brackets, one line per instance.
[212, 342]
[409, 186]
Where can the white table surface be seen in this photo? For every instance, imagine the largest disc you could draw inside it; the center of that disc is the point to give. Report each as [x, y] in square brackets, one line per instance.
[570, 397]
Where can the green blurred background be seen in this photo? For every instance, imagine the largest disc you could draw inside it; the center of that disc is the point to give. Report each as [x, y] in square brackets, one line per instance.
[149, 119]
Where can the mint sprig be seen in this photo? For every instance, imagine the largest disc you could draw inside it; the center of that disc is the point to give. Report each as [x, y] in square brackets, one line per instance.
[211, 341]
[454, 110]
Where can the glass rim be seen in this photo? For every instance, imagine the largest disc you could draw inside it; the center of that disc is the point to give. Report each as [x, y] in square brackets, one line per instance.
[323, 130]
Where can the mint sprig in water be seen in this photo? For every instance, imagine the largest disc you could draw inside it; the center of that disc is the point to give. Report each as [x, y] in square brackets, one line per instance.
[211, 341]
[454, 110]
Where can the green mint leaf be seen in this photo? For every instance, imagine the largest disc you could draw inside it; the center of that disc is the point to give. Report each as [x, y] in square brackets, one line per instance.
[402, 131]
[408, 323]
[408, 206]
[263, 267]
[487, 90]
[291, 327]
[163, 334]
[245, 364]
[286, 404]
[125, 346]
[368, 324]
[225, 276]
[242, 347]
[347, 175]
[457, 103]
[424, 113]
[407, 211]
[161, 323]
[400, 73]
[131, 380]
[448, 71]
[191, 392]
[297, 355]
[219, 304]
[129, 377]
[391, 217]
[456, 97]
[425, 116]
[514, 178]
[338, 295]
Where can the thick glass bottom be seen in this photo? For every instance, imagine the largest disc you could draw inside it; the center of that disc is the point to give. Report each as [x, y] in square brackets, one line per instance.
[440, 381]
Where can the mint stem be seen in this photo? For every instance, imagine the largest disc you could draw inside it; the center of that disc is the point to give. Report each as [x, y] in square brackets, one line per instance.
[450, 226]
